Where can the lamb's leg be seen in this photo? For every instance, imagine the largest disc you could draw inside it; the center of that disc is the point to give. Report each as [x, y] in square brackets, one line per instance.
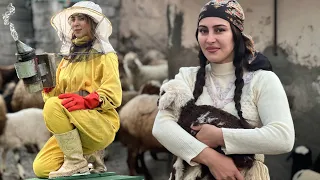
[20, 168]
[178, 168]
[193, 172]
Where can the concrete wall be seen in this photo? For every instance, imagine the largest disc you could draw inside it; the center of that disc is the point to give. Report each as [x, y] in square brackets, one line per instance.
[297, 65]
[45, 37]
[149, 27]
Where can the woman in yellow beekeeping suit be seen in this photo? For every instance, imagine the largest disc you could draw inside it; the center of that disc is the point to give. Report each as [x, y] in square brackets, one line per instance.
[80, 109]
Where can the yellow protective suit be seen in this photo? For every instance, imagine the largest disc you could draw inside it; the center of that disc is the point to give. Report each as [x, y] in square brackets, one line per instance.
[97, 127]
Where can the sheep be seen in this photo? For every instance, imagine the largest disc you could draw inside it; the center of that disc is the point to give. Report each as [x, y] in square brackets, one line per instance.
[177, 96]
[21, 99]
[126, 97]
[9, 88]
[153, 57]
[140, 74]
[137, 118]
[8, 93]
[8, 74]
[1, 83]
[24, 127]
[126, 83]
[3, 117]
[306, 174]
[151, 87]
[301, 159]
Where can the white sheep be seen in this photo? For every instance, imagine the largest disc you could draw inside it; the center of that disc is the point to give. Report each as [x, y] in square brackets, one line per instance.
[24, 127]
[140, 74]
[126, 83]
[306, 174]
[153, 57]
[174, 94]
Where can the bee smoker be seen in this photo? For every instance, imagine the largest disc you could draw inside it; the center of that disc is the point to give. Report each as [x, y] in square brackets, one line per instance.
[36, 71]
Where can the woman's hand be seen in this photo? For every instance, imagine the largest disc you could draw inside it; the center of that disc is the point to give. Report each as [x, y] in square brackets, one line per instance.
[74, 102]
[220, 166]
[209, 135]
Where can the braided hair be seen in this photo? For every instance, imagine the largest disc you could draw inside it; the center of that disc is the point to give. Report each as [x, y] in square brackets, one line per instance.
[243, 50]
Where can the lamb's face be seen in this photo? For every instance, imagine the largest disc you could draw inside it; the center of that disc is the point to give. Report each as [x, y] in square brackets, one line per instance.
[131, 62]
[174, 94]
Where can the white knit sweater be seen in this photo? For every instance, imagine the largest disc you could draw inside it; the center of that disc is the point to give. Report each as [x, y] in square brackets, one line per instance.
[263, 102]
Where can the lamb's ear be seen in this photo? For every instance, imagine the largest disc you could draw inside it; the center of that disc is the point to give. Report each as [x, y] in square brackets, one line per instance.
[165, 100]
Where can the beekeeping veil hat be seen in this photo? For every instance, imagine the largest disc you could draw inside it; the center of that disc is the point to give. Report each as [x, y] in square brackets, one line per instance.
[102, 32]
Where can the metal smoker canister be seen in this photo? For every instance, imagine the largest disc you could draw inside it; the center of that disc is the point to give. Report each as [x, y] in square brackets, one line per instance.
[36, 71]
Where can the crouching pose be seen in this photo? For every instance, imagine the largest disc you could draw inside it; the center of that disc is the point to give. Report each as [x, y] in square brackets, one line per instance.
[235, 78]
[80, 109]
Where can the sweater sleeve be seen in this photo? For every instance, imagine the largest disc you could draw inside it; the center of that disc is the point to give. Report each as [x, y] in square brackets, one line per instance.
[174, 137]
[276, 136]
[110, 91]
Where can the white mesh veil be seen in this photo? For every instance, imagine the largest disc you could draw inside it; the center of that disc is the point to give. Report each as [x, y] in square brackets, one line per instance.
[102, 31]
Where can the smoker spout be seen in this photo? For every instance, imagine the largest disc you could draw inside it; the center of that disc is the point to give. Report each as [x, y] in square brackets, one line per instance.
[22, 48]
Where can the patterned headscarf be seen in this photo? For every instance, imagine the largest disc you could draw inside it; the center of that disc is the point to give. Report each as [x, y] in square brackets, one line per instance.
[229, 10]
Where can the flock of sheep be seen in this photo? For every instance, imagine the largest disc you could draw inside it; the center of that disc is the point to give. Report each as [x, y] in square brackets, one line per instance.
[22, 124]
[21, 119]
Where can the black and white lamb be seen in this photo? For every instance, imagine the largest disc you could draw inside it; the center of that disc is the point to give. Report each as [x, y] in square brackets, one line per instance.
[176, 96]
[302, 167]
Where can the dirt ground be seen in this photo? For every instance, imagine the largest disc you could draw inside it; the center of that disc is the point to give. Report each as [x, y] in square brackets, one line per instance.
[115, 163]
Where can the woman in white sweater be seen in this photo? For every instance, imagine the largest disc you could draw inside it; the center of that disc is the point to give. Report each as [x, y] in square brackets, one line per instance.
[235, 78]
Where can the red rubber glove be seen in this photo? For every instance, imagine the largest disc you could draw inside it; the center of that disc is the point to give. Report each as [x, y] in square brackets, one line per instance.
[47, 90]
[74, 102]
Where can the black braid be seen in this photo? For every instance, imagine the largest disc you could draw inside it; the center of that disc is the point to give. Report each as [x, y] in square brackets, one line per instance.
[239, 83]
[239, 57]
[200, 81]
